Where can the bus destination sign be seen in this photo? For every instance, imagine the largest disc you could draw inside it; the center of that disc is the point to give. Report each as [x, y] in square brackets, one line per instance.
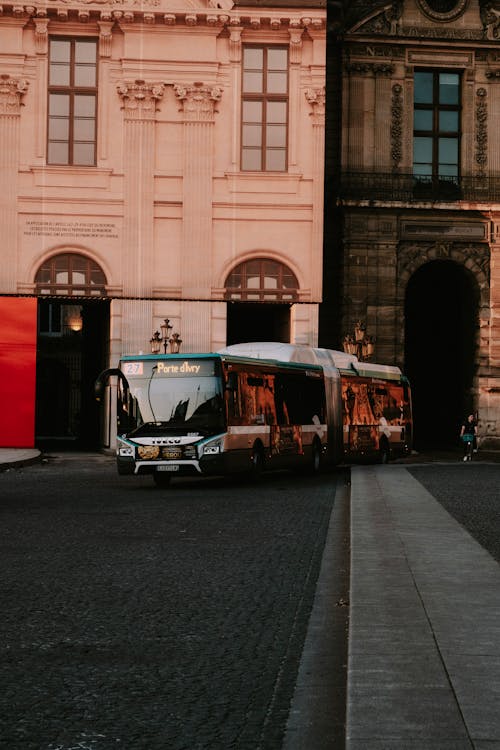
[170, 368]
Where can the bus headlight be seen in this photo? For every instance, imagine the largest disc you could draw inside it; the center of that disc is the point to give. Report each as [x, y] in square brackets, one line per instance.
[126, 451]
[213, 447]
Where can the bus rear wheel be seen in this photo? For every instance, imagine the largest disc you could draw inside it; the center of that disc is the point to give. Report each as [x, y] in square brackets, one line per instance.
[257, 462]
[383, 452]
[315, 464]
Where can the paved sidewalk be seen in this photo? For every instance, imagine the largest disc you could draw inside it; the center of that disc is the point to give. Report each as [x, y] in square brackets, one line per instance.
[424, 640]
[13, 457]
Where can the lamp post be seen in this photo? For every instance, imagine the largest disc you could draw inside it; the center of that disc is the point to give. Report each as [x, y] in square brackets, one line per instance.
[359, 344]
[164, 339]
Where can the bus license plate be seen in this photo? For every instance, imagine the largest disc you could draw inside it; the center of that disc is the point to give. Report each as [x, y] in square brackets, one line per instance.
[168, 467]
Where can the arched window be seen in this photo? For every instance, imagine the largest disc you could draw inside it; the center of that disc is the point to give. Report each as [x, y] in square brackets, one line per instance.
[261, 280]
[70, 275]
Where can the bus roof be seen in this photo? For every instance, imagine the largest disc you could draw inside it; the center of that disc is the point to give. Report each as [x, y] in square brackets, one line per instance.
[328, 358]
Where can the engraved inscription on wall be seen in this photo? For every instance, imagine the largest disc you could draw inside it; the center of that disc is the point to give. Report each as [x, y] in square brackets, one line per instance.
[70, 229]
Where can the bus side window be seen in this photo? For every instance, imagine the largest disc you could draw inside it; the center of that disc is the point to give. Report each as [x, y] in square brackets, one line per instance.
[260, 406]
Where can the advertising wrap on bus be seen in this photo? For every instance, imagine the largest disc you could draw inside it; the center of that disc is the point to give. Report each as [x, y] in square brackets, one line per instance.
[374, 409]
[219, 413]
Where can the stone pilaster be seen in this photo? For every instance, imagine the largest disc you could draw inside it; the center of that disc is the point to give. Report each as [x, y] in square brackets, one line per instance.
[139, 103]
[295, 57]
[198, 106]
[12, 91]
[235, 54]
[316, 98]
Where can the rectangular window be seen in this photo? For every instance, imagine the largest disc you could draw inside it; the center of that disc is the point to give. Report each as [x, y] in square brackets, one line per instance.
[264, 114]
[436, 128]
[72, 108]
[50, 319]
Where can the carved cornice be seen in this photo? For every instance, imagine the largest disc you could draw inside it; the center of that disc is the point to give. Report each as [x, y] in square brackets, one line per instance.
[140, 99]
[450, 32]
[397, 124]
[12, 91]
[163, 12]
[317, 98]
[481, 129]
[198, 102]
[423, 32]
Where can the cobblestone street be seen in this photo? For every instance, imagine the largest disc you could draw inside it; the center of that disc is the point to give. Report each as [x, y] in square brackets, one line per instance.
[144, 619]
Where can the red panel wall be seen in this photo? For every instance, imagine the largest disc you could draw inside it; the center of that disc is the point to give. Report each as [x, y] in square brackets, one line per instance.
[18, 330]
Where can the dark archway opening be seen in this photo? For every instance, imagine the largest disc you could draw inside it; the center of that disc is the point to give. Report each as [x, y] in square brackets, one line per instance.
[259, 293]
[73, 338]
[258, 321]
[441, 313]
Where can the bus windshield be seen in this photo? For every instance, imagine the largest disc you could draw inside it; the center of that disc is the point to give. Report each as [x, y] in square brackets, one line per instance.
[165, 397]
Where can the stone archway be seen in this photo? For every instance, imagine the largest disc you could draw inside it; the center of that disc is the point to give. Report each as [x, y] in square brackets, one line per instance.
[72, 348]
[259, 292]
[441, 313]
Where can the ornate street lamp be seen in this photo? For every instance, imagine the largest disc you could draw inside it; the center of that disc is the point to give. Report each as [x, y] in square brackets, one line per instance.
[165, 329]
[175, 343]
[359, 344]
[155, 342]
[164, 339]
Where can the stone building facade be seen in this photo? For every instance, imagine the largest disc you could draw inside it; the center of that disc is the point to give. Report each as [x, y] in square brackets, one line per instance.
[160, 160]
[413, 169]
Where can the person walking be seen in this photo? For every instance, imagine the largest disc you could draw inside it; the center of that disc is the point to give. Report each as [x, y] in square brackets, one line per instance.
[468, 434]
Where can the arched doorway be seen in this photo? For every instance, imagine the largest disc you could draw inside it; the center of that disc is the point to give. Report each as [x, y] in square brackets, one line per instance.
[260, 293]
[441, 314]
[72, 346]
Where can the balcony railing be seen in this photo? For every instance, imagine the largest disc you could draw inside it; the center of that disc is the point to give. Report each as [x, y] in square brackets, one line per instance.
[387, 186]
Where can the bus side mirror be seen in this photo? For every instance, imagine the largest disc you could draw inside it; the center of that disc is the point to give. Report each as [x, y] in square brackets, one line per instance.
[102, 379]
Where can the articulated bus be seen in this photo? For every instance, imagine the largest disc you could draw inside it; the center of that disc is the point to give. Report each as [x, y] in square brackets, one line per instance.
[369, 403]
[252, 407]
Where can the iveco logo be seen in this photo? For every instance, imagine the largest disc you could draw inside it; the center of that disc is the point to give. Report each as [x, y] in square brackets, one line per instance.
[167, 441]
